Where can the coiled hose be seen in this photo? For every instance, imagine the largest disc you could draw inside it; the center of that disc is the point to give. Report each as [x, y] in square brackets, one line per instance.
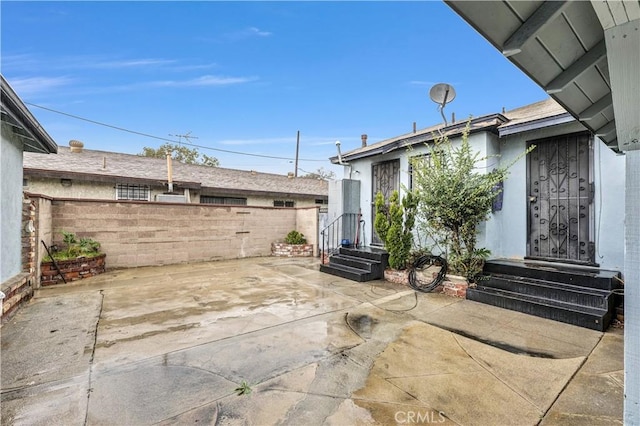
[426, 261]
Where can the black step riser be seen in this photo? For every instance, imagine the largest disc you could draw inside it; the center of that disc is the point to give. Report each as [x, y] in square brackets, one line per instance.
[591, 321]
[354, 263]
[377, 256]
[353, 276]
[602, 301]
[566, 277]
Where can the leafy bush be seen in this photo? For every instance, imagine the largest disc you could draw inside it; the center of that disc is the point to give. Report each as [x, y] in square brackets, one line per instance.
[394, 225]
[295, 237]
[72, 248]
[455, 199]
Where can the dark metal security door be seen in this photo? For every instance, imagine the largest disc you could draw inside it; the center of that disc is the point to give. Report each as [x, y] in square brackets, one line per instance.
[560, 195]
[386, 179]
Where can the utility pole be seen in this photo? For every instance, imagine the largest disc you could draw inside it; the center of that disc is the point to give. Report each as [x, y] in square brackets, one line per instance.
[295, 172]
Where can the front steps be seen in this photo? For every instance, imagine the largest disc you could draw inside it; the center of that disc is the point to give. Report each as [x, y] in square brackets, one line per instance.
[577, 295]
[357, 264]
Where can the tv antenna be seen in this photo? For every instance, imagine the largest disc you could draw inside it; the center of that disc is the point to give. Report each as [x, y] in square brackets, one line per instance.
[187, 137]
[442, 94]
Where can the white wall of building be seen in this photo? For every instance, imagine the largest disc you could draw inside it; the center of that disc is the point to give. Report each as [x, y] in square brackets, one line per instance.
[505, 233]
[10, 206]
[107, 191]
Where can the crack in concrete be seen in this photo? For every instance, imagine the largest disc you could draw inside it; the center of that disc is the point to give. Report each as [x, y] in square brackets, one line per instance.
[93, 353]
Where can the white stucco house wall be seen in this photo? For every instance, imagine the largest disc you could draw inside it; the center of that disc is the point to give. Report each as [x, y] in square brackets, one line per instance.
[21, 132]
[502, 137]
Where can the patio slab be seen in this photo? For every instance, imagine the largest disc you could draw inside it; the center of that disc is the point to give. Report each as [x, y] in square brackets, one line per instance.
[170, 345]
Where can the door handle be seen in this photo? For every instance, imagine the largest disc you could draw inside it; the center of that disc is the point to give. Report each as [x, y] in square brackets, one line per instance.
[533, 198]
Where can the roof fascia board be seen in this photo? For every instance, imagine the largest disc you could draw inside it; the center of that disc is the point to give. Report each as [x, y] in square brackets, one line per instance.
[623, 45]
[18, 111]
[451, 130]
[535, 125]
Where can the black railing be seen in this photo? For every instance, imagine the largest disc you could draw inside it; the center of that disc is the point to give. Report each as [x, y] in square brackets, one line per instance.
[345, 230]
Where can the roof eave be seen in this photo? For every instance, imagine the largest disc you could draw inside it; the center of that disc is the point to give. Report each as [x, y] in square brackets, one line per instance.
[535, 124]
[18, 116]
[452, 130]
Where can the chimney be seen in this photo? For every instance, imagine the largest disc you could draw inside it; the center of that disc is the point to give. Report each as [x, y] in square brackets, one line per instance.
[414, 127]
[364, 140]
[76, 146]
[453, 117]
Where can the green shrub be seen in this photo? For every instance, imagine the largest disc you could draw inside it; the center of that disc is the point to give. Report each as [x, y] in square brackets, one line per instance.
[394, 225]
[72, 248]
[295, 237]
[455, 198]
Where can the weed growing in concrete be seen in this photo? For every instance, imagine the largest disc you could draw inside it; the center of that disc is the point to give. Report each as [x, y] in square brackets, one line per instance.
[243, 389]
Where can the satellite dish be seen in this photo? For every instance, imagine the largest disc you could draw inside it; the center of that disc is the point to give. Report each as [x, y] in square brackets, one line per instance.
[442, 94]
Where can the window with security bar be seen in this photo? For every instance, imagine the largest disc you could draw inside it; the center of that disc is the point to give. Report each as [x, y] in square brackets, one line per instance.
[132, 192]
[229, 201]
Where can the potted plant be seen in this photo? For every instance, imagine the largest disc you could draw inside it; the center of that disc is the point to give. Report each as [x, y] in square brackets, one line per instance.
[294, 245]
[73, 259]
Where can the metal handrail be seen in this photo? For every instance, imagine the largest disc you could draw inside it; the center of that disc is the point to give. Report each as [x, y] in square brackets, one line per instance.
[346, 227]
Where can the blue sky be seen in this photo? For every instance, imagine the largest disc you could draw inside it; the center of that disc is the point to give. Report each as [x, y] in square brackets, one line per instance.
[247, 76]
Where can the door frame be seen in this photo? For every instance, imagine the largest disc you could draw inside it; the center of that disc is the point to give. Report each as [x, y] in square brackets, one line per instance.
[591, 206]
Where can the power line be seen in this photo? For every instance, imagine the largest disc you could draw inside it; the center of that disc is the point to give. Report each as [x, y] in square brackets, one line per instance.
[165, 139]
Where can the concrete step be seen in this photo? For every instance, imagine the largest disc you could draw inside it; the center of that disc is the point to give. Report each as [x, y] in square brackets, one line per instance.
[348, 272]
[582, 316]
[371, 253]
[576, 295]
[357, 264]
[583, 276]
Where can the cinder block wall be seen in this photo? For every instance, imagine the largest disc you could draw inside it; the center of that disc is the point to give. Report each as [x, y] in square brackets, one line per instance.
[145, 234]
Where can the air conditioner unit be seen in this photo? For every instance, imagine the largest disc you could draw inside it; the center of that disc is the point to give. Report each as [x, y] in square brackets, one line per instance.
[170, 198]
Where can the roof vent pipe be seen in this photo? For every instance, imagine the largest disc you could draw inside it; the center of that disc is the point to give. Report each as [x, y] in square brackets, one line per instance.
[169, 173]
[75, 145]
[414, 127]
[364, 140]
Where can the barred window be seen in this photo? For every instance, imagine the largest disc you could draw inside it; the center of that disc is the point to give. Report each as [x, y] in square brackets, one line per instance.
[282, 203]
[132, 192]
[208, 199]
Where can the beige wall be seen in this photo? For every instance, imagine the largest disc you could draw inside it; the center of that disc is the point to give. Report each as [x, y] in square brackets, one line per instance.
[143, 234]
[106, 191]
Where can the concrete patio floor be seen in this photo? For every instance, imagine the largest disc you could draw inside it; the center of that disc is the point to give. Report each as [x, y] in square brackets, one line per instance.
[170, 345]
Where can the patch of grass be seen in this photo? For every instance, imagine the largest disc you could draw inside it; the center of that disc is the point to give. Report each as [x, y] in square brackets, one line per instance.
[243, 389]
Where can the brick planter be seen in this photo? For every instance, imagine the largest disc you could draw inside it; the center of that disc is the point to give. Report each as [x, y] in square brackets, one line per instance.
[291, 250]
[452, 285]
[73, 269]
[397, 276]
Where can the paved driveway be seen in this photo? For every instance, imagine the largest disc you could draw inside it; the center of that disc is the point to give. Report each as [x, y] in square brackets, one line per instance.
[178, 345]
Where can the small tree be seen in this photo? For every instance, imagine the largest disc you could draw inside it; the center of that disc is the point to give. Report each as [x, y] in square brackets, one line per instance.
[320, 174]
[454, 199]
[180, 153]
[394, 225]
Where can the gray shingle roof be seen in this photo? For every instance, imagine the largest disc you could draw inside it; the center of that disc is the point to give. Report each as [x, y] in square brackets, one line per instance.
[537, 111]
[92, 165]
